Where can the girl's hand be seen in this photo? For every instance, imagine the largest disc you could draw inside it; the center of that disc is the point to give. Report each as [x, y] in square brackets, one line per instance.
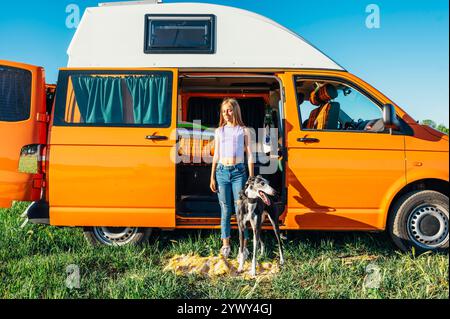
[212, 185]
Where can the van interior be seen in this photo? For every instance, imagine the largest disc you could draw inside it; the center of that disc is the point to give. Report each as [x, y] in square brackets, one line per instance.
[199, 100]
[330, 105]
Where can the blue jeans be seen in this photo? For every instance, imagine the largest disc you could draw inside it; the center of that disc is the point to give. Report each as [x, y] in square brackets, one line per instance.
[230, 181]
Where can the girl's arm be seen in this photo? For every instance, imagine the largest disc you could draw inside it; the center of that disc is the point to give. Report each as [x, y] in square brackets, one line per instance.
[248, 150]
[215, 160]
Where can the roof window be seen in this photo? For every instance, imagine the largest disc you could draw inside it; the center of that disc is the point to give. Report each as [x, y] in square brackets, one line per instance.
[179, 34]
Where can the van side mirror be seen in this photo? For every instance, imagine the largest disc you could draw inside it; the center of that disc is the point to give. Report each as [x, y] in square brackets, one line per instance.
[389, 118]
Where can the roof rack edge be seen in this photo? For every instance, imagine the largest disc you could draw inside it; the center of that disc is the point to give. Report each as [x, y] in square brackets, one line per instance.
[123, 3]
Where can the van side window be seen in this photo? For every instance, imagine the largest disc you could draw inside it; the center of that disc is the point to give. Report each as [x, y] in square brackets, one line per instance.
[118, 100]
[328, 105]
[15, 94]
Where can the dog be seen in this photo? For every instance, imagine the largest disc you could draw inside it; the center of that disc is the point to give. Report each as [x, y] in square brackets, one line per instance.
[256, 200]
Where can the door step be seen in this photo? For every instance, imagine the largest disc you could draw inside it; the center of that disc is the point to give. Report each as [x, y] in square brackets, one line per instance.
[211, 222]
[200, 221]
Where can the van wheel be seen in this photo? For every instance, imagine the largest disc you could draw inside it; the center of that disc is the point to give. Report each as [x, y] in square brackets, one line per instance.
[419, 219]
[116, 236]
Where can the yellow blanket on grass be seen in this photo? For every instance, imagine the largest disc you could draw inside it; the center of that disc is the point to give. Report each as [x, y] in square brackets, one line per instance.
[214, 266]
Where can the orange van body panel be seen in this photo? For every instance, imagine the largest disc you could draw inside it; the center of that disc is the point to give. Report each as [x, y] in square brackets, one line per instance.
[13, 184]
[113, 176]
[98, 178]
[427, 154]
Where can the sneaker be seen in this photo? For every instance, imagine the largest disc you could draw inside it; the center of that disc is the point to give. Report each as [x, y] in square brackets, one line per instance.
[225, 251]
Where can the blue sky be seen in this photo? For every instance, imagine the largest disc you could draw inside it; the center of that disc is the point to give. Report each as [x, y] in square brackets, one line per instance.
[407, 58]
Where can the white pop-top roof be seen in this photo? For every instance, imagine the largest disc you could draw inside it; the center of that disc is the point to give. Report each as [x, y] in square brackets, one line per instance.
[113, 36]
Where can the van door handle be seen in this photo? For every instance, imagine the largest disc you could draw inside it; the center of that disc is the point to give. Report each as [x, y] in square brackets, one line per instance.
[156, 137]
[308, 140]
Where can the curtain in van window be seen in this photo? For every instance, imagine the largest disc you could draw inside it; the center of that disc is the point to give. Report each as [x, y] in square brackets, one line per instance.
[150, 99]
[99, 98]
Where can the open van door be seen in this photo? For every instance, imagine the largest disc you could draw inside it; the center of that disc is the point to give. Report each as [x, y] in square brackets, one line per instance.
[22, 131]
[112, 150]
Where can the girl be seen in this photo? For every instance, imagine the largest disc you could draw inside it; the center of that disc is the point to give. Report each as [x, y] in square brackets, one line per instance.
[232, 139]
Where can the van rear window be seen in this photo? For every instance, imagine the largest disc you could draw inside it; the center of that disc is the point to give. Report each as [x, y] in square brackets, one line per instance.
[117, 100]
[15, 94]
[179, 34]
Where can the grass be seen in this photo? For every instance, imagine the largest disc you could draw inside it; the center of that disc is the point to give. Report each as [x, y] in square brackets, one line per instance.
[34, 261]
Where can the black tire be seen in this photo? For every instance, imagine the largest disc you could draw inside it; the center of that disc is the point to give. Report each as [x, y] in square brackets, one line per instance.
[117, 236]
[419, 219]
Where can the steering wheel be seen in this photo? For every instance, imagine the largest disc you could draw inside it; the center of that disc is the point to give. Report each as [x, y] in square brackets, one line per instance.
[350, 125]
[369, 125]
[374, 125]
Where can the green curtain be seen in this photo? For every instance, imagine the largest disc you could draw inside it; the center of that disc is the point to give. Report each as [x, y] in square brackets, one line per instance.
[99, 98]
[151, 99]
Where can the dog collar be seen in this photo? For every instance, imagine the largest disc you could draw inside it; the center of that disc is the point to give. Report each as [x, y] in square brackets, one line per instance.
[252, 200]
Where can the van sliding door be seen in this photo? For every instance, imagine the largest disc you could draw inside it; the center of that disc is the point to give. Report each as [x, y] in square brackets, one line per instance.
[111, 150]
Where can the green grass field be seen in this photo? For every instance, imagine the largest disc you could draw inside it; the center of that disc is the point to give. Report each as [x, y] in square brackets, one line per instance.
[34, 260]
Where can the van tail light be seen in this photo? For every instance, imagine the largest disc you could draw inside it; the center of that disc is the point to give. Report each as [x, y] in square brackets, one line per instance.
[33, 159]
[42, 159]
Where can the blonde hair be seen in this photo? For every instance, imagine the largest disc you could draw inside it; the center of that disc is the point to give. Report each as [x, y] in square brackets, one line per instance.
[237, 118]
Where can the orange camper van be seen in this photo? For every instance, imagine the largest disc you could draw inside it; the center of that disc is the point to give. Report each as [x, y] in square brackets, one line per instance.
[123, 143]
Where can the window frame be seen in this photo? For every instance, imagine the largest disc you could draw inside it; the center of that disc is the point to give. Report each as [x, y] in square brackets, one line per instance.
[61, 97]
[405, 129]
[162, 17]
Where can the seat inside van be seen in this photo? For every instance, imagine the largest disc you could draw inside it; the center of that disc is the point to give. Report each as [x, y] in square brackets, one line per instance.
[326, 115]
[198, 117]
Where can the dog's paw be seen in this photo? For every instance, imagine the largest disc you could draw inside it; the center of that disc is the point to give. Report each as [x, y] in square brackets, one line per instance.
[241, 260]
[246, 254]
[261, 250]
